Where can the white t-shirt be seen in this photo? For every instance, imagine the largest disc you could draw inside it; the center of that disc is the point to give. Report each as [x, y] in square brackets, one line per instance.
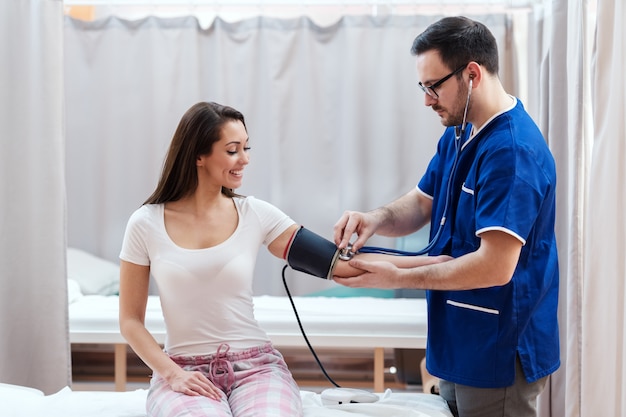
[206, 294]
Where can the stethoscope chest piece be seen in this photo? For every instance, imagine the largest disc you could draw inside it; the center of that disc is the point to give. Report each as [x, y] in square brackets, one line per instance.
[346, 253]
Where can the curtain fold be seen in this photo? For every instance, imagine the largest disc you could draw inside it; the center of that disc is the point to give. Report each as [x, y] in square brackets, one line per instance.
[603, 313]
[34, 343]
[582, 99]
[561, 66]
[335, 117]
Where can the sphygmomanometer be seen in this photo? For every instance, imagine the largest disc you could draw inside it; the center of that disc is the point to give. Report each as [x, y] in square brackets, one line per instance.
[312, 254]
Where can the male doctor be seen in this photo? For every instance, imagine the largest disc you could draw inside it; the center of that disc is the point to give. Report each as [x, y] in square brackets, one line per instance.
[489, 196]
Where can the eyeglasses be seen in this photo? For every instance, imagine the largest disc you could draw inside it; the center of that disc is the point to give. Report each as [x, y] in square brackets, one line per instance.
[430, 89]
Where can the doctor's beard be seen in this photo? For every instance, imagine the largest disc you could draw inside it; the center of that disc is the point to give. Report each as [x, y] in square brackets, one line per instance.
[455, 113]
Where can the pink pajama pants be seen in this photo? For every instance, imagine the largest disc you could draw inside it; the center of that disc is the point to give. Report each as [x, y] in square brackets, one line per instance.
[254, 382]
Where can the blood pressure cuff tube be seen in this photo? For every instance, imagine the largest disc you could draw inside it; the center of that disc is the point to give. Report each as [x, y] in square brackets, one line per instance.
[312, 254]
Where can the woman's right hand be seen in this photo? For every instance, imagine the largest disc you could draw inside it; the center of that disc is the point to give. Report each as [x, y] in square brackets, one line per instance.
[194, 383]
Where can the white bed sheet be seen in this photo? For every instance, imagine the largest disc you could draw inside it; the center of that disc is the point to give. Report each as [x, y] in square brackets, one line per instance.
[328, 321]
[27, 402]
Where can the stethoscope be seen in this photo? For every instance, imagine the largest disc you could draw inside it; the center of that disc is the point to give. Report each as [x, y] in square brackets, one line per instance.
[346, 254]
[459, 131]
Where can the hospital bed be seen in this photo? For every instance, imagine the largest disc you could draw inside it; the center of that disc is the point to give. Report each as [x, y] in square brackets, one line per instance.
[355, 323]
[329, 322]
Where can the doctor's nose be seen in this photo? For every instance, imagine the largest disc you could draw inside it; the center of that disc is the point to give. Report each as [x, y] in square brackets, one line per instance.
[429, 100]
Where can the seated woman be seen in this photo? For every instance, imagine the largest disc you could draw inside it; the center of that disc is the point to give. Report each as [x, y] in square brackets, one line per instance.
[199, 240]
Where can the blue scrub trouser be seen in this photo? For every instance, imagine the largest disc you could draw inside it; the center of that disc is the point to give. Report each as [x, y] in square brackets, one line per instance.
[517, 400]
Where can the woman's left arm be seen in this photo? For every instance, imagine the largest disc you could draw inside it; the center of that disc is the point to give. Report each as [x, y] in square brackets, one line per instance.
[278, 247]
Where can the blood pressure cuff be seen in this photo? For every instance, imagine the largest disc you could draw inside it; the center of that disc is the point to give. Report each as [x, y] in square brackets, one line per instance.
[312, 254]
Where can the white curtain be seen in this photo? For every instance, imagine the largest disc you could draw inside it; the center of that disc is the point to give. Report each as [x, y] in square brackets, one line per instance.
[335, 116]
[561, 71]
[34, 347]
[581, 95]
[603, 369]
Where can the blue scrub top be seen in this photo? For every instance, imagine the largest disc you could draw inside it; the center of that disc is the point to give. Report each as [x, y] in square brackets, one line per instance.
[505, 179]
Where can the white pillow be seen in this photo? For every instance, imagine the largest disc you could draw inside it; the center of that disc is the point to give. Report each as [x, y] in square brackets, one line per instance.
[74, 293]
[93, 274]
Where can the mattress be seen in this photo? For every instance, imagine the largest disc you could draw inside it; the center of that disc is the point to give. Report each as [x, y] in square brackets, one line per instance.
[27, 402]
[327, 321]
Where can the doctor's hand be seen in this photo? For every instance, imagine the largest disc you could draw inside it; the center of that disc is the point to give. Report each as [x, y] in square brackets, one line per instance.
[351, 222]
[376, 274]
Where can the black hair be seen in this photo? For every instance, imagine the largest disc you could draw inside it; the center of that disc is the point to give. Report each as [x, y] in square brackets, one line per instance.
[459, 40]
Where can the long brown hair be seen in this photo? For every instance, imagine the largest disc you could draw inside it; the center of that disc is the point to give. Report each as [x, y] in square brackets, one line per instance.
[198, 129]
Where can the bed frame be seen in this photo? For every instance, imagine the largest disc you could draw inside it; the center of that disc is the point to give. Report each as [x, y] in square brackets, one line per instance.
[329, 322]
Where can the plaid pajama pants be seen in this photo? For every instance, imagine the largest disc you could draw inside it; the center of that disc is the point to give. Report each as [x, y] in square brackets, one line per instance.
[254, 382]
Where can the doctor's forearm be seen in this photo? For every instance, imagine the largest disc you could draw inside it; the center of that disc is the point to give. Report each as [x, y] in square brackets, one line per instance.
[403, 216]
[464, 273]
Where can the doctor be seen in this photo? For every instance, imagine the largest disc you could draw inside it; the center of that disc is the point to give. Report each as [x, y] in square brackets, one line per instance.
[489, 196]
